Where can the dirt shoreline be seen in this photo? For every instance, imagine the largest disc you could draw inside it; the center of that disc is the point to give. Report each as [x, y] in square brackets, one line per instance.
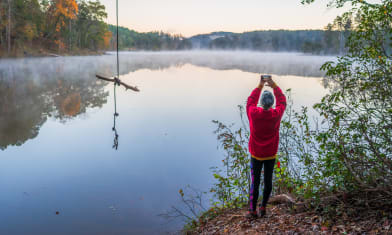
[281, 220]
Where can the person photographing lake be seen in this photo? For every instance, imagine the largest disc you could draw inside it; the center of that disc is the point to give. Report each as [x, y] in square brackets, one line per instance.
[264, 125]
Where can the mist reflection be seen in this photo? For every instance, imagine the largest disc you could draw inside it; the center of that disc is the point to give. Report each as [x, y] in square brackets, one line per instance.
[30, 93]
[33, 90]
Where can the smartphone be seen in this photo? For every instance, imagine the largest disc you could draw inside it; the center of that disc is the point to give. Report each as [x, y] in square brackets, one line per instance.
[266, 77]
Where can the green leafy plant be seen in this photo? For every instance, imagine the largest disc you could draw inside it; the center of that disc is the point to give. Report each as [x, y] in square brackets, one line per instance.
[231, 188]
[357, 140]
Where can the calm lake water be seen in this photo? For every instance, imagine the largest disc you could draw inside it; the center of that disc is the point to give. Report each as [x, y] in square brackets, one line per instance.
[56, 134]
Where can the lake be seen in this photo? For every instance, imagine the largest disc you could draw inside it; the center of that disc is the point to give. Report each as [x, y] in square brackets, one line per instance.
[59, 172]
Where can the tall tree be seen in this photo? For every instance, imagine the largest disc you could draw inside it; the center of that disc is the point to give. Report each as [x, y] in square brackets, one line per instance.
[59, 12]
[90, 23]
[9, 28]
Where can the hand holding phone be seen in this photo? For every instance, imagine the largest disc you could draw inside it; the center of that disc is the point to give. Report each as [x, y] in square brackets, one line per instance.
[266, 78]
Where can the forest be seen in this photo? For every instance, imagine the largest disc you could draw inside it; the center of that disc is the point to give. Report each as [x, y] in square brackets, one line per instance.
[30, 27]
[330, 40]
[35, 27]
[132, 40]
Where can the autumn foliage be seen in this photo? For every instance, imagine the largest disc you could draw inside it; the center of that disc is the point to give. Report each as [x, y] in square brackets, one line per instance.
[106, 39]
[71, 104]
[54, 25]
[67, 8]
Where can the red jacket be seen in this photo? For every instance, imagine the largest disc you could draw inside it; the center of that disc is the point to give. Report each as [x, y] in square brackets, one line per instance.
[264, 124]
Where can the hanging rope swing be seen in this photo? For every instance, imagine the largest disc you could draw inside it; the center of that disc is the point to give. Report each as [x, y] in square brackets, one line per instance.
[116, 80]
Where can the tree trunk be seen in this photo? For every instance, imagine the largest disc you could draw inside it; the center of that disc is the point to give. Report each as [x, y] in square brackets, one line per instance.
[79, 37]
[9, 27]
[341, 43]
[70, 35]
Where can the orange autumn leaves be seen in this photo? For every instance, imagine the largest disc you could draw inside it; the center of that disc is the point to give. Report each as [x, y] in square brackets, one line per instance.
[106, 39]
[63, 14]
[60, 44]
[63, 10]
[71, 104]
[67, 8]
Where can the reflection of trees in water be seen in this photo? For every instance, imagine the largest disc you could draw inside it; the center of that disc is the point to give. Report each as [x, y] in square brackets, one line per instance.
[273, 63]
[70, 106]
[23, 111]
[32, 91]
[269, 63]
[72, 97]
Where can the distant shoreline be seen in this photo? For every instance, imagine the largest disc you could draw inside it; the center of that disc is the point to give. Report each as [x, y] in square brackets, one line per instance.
[43, 54]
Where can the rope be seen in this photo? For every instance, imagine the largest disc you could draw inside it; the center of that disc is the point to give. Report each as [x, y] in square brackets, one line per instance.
[115, 141]
[116, 83]
[118, 64]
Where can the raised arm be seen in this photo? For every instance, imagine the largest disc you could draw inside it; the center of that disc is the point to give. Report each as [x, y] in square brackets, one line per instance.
[254, 97]
[280, 98]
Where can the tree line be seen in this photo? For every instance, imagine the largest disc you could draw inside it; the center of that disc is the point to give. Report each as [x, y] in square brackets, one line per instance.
[58, 26]
[35, 27]
[330, 40]
[29, 27]
[132, 40]
[309, 41]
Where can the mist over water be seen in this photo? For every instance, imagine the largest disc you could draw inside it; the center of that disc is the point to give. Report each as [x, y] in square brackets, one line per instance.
[296, 64]
[56, 133]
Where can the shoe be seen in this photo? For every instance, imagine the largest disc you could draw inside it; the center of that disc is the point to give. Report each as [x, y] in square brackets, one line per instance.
[251, 215]
[262, 211]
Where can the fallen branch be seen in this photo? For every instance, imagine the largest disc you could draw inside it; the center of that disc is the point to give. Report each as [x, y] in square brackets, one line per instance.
[117, 82]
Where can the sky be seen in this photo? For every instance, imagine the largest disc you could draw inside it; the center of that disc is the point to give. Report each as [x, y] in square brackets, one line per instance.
[192, 17]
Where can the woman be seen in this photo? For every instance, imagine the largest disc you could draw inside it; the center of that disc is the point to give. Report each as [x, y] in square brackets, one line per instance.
[264, 124]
